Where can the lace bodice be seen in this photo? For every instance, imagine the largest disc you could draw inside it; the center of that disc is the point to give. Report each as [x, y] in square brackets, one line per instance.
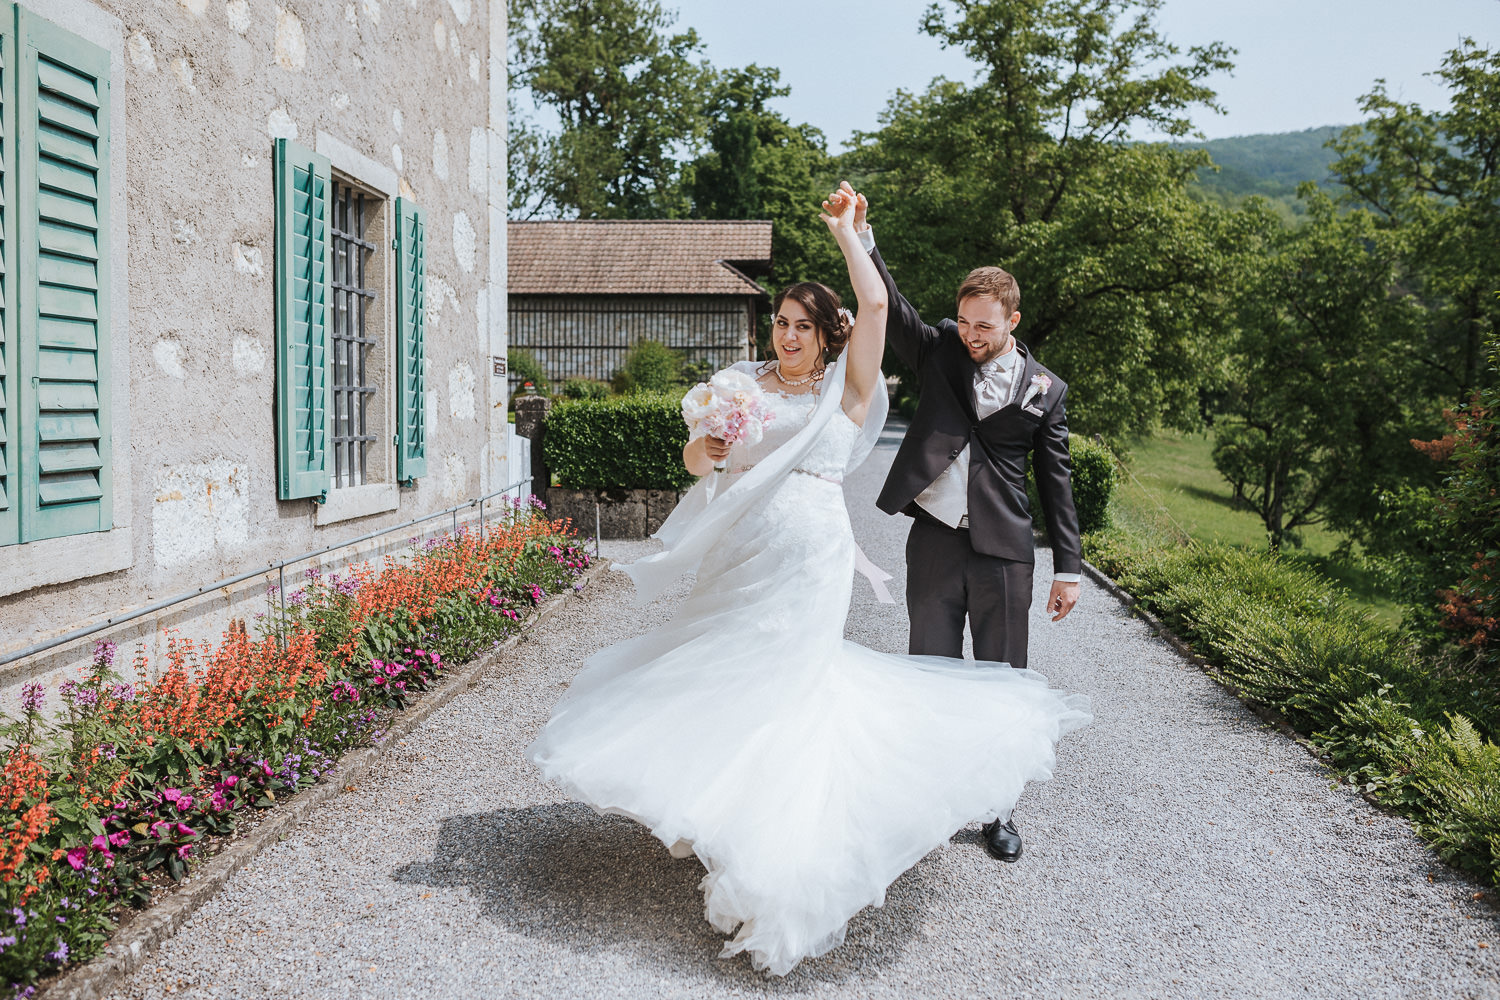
[829, 455]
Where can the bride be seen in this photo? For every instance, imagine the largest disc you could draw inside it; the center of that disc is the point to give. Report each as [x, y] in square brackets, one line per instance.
[806, 772]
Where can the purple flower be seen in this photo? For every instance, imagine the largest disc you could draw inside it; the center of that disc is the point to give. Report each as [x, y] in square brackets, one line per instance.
[122, 692]
[104, 655]
[32, 696]
[19, 915]
[7, 941]
[61, 954]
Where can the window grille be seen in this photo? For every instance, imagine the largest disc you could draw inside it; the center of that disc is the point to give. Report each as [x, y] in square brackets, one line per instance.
[353, 375]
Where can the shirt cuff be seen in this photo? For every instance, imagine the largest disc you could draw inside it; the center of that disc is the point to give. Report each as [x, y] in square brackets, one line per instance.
[1067, 577]
[866, 239]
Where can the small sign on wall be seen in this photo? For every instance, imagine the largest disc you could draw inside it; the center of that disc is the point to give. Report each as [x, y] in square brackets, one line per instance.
[497, 365]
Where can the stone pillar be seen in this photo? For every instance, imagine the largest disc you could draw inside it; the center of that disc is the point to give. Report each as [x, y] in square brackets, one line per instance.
[531, 423]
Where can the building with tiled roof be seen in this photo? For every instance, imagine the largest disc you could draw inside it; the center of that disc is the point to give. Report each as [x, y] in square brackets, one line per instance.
[583, 292]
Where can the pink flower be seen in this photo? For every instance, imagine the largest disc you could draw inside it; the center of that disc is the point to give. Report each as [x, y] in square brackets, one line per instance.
[186, 831]
[120, 838]
[185, 851]
[76, 857]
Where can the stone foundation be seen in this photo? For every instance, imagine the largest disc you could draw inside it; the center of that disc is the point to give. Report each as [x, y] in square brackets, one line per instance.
[622, 513]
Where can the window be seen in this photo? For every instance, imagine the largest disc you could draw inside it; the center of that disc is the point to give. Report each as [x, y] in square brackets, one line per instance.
[357, 330]
[54, 281]
[334, 396]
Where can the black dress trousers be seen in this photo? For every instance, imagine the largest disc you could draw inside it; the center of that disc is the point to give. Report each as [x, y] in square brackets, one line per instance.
[946, 580]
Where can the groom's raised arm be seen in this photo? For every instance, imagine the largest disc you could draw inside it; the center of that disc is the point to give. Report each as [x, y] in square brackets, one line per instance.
[910, 337]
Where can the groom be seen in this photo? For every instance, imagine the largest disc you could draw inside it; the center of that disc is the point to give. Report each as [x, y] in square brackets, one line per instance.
[960, 474]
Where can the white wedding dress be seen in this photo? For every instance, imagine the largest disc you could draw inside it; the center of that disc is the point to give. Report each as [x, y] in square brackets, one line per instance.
[805, 771]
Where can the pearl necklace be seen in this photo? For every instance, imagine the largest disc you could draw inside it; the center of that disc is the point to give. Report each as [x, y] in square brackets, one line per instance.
[816, 376]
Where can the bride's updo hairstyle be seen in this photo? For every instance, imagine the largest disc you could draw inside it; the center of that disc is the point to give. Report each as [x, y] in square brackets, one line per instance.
[824, 309]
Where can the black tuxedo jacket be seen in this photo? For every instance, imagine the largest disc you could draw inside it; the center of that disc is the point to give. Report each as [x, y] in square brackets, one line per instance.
[946, 420]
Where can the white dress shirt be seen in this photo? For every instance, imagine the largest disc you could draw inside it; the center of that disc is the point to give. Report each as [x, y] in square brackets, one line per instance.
[995, 385]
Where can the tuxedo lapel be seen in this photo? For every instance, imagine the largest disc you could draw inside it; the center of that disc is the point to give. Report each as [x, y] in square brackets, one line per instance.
[1028, 372]
[960, 377]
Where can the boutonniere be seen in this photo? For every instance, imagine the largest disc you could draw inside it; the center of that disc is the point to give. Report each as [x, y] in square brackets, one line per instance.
[1040, 383]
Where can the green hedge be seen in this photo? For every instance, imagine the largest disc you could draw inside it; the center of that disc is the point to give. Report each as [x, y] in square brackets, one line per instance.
[1094, 479]
[1415, 735]
[629, 442]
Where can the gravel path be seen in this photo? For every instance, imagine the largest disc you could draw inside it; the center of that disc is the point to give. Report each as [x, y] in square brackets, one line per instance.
[1182, 850]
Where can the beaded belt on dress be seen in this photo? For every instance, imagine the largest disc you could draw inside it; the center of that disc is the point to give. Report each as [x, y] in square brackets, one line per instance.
[805, 472]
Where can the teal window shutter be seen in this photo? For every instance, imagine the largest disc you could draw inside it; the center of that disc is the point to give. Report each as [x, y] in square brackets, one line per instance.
[303, 391]
[10, 522]
[411, 281]
[63, 260]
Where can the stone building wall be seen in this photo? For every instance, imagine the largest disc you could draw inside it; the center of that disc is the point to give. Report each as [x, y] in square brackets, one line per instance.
[407, 99]
[581, 336]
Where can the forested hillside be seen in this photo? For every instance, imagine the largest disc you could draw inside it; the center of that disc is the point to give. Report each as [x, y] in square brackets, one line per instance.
[1268, 165]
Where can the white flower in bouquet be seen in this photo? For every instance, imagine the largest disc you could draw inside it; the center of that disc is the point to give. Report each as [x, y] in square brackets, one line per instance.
[734, 386]
[698, 403]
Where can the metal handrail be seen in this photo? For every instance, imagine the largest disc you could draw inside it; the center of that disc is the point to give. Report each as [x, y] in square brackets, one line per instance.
[275, 567]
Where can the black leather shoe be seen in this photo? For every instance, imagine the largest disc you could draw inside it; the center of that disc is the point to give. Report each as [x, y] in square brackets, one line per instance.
[1003, 840]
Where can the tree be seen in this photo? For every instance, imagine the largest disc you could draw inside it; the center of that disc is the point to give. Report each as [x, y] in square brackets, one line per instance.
[1436, 178]
[1032, 167]
[527, 155]
[1468, 512]
[1324, 392]
[628, 97]
[761, 166]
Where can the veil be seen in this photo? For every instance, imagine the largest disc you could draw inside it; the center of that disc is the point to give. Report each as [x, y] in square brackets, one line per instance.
[696, 524]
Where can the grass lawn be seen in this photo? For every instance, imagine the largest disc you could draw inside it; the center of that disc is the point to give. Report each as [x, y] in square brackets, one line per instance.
[1173, 489]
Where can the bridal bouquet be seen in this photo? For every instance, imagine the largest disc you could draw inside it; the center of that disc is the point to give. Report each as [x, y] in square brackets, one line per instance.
[730, 407]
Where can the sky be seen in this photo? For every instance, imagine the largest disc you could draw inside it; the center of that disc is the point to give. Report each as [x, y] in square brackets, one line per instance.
[1301, 63]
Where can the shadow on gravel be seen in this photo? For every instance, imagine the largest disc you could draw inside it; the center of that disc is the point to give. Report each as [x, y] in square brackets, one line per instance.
[563, 873]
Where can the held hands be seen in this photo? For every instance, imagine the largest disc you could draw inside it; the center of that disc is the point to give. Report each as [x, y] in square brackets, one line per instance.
[1062, 599]
[844, 209]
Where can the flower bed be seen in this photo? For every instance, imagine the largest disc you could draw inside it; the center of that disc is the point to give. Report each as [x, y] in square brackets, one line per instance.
[120, 791]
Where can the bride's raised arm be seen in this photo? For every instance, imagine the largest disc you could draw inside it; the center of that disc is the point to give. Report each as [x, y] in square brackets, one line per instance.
[867, 342]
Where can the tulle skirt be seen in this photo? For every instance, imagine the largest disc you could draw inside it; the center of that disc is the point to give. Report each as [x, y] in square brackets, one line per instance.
[806, 772]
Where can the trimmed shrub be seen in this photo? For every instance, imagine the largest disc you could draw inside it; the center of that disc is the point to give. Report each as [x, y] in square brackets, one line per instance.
[1416, 735]
[526, 368]
[1094, 480]
[651, 366]
[585, 388]
[630, 442]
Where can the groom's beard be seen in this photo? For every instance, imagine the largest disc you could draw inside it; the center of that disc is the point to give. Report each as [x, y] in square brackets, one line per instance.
[1008, 345]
